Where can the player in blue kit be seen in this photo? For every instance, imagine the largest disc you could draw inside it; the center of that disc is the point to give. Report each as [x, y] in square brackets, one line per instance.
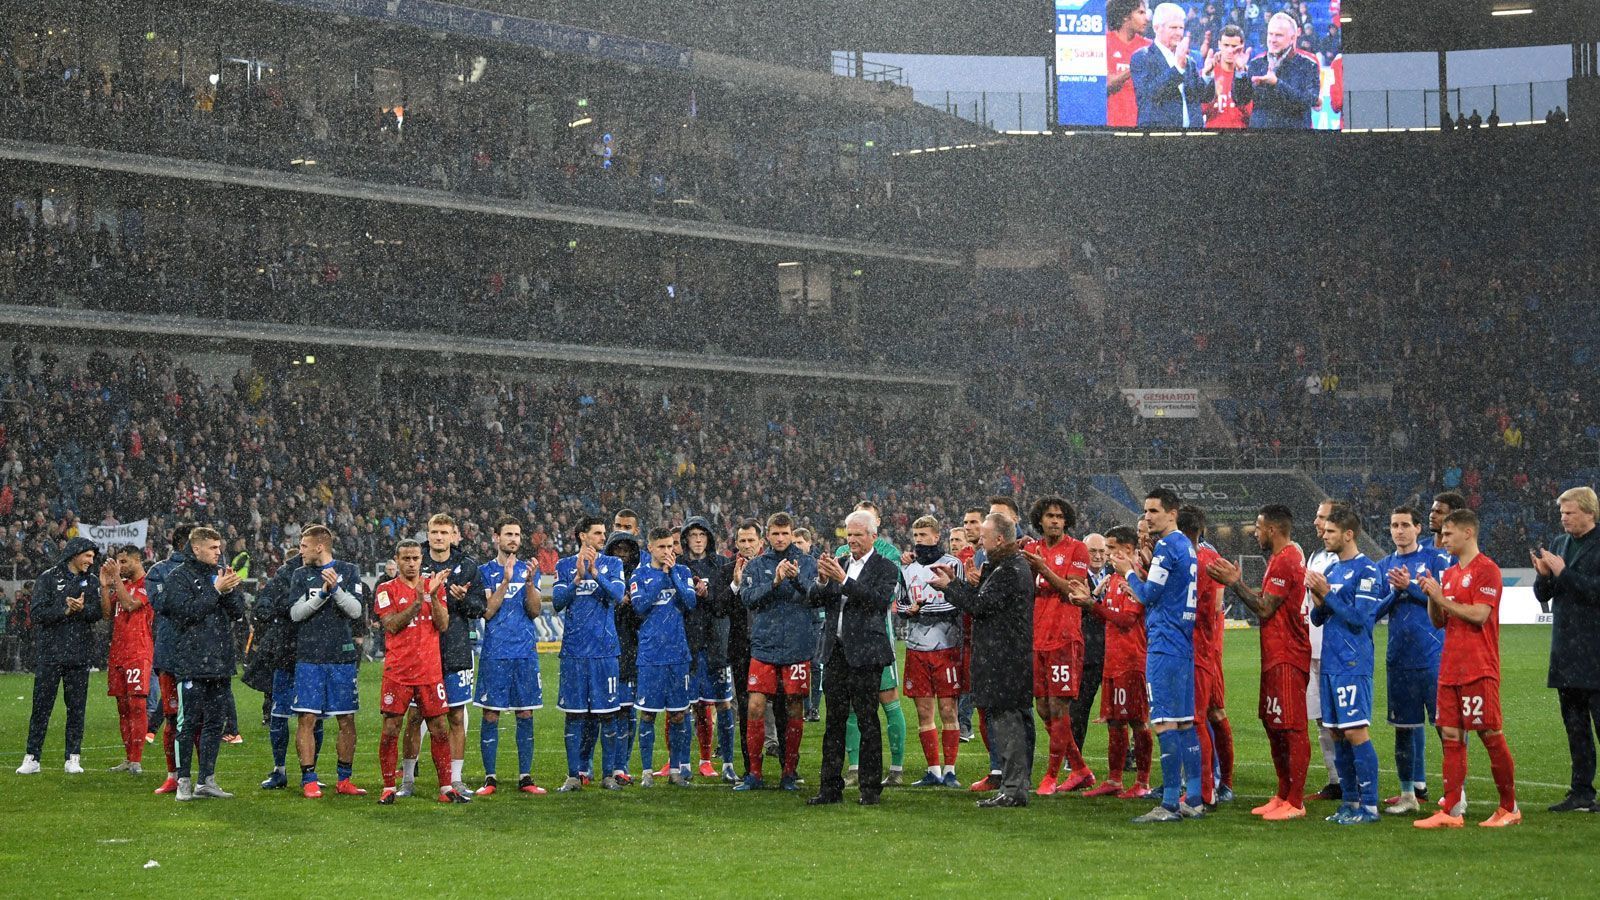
[662, 593]
[508, 663]
[325, 598]
[1345, 602]
[629, 548]
[1167, 591]
[589, 587]
[1413, 653]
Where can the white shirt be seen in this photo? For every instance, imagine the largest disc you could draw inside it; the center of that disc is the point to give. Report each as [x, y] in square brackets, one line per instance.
[850, 573]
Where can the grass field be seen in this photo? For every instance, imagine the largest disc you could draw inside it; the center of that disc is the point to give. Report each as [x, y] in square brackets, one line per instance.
[94, 833]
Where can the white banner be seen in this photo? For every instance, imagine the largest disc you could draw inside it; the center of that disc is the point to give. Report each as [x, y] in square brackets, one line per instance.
[1164, 403]
[1518, 606]
[110, 537]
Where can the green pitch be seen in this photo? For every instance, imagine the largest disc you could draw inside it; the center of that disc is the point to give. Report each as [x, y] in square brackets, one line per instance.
[94, 833]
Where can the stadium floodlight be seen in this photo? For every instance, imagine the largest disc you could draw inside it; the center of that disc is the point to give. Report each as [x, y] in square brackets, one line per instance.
[1512, 11]
[580, 122]
[784, 265]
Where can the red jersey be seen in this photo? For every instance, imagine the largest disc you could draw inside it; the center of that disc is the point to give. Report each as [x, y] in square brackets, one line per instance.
[1124, 618]
[1121, 110]
[412, 655]
[132, 640]
[1056, 622]
[1285, 638]
[1222, 111]
[1207, 617]
[1471, 651]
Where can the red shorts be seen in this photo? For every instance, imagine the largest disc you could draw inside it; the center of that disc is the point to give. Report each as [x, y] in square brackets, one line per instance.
[1056, 672]
[395, 699]
[169, 693]
[933, 673]
[1207, 693]
[1283, 698]
[129, 681]
[1474, 706]
[764, 678]
[1124, 698]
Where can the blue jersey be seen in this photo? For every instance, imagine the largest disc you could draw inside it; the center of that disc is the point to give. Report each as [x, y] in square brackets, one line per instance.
[509, 633]
[1168, 594]
[327, 636]
[661, 599]
[588, 607]
[1413, 641]
[1347, 615]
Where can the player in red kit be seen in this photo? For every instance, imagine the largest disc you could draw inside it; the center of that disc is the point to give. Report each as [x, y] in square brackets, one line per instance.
[123, 600]
[1230, 108]
[1057, 560]
[413, 672]
[1128, 21]
[1285, 656]
[1124, 698]
[1210, 712]
[1466, 604]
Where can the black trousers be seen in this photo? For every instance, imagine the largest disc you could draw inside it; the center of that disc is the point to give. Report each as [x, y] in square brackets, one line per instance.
[741, 702]
[847, 688]
[202, 706]
[1580, 712]
[1094, 659]
[1012, 731]
[74, 683]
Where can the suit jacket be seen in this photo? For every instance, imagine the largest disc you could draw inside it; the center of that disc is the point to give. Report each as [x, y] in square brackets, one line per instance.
[1574, 598]
[1155, 89]
[862, 604]
[1288, 103]
[1002, 632]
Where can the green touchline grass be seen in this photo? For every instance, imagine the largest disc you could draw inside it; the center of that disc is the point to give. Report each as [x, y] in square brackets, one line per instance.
[97, 833]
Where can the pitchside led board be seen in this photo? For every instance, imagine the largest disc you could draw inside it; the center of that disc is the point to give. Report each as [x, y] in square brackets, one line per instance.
[1262, 64]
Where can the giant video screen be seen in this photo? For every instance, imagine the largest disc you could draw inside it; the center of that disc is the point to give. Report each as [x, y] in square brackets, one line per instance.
[1199, 64]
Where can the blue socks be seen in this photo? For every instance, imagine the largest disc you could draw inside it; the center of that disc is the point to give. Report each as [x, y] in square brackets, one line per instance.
[626, 729]
[678, 744]
[489, 745]
[278, 737]
[573, 735]
[524, 745]
[1366, 771]
[611, 729]
[647, 744]
[591, 736]
[1171, 768]
[1189, 742]
[345, 769]
[1404, 761]
[1419, 757]
[1344, 760]
[725, 734]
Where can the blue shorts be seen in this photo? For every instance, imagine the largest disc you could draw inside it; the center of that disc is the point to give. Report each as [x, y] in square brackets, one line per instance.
[707, 686]
[325, 689]
[664, 688]
[626, 690]
[1413, 697]
[283, 694]
[509, 684]
[1170, 681]
[588, 685]
[1346, 700]
[458, 688]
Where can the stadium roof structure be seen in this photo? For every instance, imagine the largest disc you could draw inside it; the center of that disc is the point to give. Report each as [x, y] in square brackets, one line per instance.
[805, 33]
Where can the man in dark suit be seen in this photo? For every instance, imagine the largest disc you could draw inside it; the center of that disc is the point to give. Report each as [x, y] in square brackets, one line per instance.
[856, 592]
[1169, 84]
[1285, 85]
[1001, 606]
[1569, 580]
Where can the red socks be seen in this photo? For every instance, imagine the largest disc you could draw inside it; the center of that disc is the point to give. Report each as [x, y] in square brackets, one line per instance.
[755, 744]
[930, 745]
[1222, 734]
[439, 747]
[388, 757]
[1208, 781]
[703, 724]
[1117, 750]
[138, 713]
[1063, 746]
[1143, 749]
[952, 744]
[794, 730]
[1299, 761]
[1455, 773]
[1502, 767]
[1278, 743]
[169, 735]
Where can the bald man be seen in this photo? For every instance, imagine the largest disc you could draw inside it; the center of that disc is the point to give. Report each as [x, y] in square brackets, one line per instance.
[1285, 84]
[1094, 643]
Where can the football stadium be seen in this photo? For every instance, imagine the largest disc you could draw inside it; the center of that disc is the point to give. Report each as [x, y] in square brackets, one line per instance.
[714, 449]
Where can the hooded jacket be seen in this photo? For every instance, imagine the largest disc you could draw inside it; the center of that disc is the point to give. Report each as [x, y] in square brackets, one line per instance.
[627, 620]
[784, 628]
[202, 639]
[706, 625]
[61, 638]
